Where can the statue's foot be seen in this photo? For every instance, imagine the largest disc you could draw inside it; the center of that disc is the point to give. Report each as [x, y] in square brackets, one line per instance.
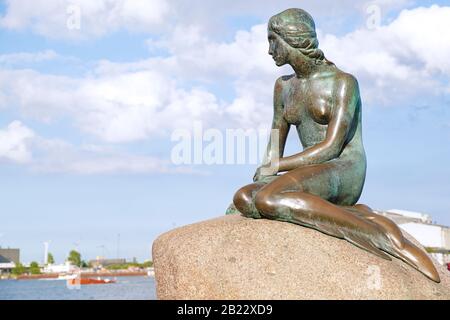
[399, 246]
[417, 258]
[232, 210]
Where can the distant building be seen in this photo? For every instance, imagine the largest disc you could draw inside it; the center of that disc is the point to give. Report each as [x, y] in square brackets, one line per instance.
[101, 262]
[8, 259]
[7, 267]
[9, 255]
[434, 237]
[60, 268]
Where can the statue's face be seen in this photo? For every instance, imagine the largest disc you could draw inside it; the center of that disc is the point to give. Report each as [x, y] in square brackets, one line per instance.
[277, 49]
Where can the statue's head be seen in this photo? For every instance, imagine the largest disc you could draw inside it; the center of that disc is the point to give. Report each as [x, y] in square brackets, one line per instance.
[294, 28]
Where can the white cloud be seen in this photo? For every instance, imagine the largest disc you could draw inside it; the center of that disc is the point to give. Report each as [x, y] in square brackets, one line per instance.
[244, 62]
[423, 31]
[28, 57]
[100, 17]
[405, 61]
[213, 16]
[15, 143]
[399, 61]
[20, 145]
[195, 54]
[50, 18]
[113, 107]
[127, 102]
[36, 94]
[122, 102]
[57, 156]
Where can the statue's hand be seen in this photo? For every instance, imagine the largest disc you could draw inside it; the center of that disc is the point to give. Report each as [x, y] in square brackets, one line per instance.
[264, 171]
[257, 175]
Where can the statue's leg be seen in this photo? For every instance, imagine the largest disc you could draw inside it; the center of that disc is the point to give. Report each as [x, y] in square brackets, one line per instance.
[402, 248]
[303, 196]
[310, 196]
[244, 198]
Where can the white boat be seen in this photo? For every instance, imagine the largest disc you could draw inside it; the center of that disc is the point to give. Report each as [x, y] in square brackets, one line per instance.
[61, 277]
[68, 276]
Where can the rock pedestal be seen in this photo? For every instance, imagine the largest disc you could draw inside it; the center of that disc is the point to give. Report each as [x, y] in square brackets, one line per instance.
[233, 257]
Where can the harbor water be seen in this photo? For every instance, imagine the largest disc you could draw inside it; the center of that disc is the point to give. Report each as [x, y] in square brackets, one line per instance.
[126, 288]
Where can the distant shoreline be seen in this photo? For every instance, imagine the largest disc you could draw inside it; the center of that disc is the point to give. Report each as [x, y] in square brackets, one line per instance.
[83, 275]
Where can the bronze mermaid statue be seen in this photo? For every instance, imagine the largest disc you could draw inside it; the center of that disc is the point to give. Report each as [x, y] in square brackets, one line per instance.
[320, 186]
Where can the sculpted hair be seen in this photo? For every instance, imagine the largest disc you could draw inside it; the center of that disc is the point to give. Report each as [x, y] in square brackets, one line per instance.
[297, 28]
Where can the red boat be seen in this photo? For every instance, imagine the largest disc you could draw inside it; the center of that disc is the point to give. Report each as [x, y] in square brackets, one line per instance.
[84, 281]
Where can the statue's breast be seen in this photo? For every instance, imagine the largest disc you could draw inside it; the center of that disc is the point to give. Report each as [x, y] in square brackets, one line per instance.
[319, 109]
[306, 101]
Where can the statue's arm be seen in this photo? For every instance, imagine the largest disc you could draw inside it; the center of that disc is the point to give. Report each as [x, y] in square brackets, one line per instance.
[279, 124]
[346, 97]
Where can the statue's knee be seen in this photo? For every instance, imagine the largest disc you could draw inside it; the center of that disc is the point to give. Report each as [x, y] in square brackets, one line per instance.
[278, 205]
[266, 204]
[242, 199]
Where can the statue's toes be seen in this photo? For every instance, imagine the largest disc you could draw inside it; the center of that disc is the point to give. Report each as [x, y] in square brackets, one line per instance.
[232, 210]
[418, 259]
[248, 213]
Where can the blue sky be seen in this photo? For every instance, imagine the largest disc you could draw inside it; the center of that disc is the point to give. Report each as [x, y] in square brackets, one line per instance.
[86, 114]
